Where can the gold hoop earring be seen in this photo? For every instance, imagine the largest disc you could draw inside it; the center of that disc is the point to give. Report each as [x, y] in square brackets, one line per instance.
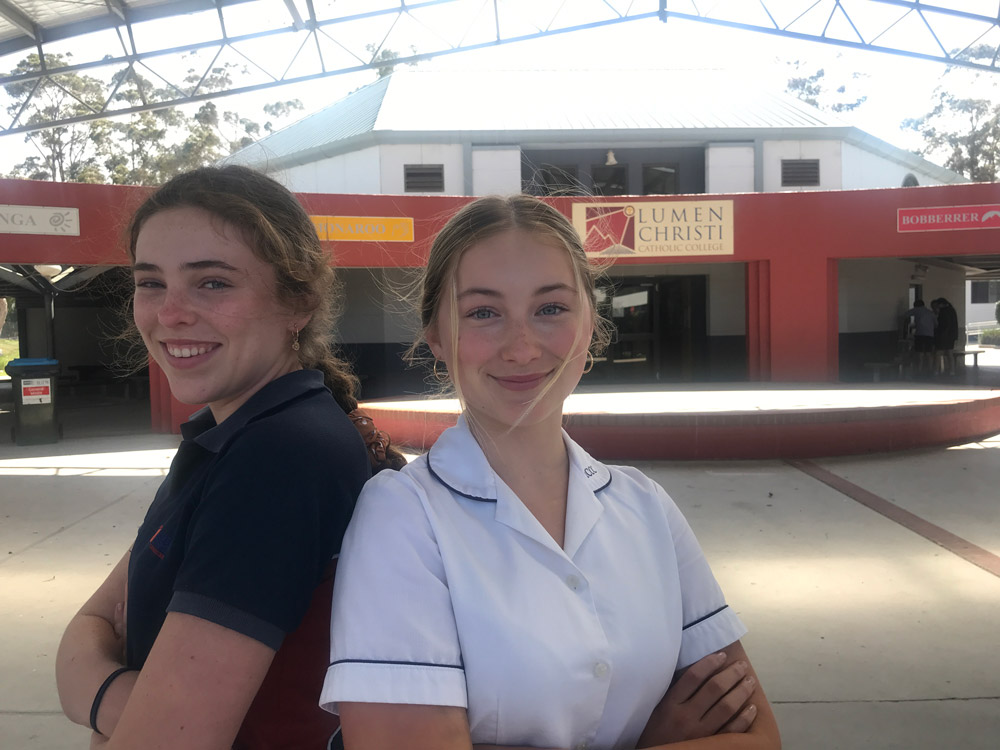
[590, 363]
[295, 339]
[438, 376]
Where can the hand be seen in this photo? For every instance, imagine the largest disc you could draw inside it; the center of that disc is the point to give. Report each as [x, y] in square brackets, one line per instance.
[709, 698]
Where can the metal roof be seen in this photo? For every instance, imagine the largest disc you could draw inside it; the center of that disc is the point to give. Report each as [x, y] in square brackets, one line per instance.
[27, 24]
[545, 108]
[353, 116]
[271, 43]
[543, 105]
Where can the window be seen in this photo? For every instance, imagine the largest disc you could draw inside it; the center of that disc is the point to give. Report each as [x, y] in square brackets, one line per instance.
[423, 178]
[799, 172]
[610, 180]
[985, 292]
[659, 179]
[551, 179]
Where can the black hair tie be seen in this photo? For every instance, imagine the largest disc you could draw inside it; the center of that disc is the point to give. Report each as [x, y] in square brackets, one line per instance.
[100, 696]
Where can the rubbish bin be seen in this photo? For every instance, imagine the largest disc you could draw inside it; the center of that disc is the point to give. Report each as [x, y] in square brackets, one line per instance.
[34, 384]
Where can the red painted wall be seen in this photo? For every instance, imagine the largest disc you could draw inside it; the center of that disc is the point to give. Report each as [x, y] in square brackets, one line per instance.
[791, 243]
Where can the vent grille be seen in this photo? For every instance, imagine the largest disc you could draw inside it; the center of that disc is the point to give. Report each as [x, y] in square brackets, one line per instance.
[799, 172]
[423, 178]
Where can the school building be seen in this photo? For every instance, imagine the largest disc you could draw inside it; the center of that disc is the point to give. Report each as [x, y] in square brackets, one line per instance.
[746, 235]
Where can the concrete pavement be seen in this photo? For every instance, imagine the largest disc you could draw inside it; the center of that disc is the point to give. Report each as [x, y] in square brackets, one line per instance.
[865, 634]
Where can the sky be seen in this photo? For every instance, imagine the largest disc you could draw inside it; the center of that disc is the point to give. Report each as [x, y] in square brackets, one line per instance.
[896, 87]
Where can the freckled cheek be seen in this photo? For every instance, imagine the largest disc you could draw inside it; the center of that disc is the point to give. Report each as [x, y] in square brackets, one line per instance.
[561, 341]
[144, 315]
[475, 349]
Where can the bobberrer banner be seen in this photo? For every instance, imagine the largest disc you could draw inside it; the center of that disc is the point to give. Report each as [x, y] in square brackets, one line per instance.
[945, 218]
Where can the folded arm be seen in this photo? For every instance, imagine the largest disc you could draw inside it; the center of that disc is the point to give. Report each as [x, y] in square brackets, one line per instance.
[90, 650]
[193, 691]
[676, 722]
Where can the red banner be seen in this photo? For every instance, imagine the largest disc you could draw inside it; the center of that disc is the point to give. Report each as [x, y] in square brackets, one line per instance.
[944, 218]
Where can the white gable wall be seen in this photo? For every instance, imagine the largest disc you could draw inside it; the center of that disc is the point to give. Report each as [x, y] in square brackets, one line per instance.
[496, 170]
[351, 172]
[395, 156]
[863, 169]
[828, 153]
[729, 168]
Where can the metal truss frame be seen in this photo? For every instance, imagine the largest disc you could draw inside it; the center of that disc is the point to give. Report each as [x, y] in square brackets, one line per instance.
[933, 31]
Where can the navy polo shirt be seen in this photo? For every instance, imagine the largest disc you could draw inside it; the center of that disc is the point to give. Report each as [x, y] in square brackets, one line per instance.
[249, 516]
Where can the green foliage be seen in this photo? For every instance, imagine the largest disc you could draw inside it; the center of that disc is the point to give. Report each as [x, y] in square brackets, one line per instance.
[813, 89]
[145, 148]
[8, 325]
[964, 130]
[68, 152]
[8, 351]
[990, 337]
[8, 316]
[280, 111]
[384, 59]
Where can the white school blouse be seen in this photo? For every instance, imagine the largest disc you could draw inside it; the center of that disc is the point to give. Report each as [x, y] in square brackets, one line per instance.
[450, 592]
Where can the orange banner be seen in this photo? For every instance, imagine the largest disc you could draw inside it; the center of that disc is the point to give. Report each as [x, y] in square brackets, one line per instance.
[364, 228]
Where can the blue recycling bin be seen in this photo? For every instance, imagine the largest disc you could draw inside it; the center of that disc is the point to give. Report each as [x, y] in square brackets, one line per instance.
[33, 382]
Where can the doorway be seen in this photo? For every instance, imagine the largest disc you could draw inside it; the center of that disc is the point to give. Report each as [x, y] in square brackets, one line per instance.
[661, 329]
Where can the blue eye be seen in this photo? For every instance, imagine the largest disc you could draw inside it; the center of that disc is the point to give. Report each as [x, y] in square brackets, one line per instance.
[552, 309]
[215, 284]
[480, 313]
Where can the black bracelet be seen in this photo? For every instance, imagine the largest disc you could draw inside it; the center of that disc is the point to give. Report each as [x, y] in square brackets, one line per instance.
[100, 696]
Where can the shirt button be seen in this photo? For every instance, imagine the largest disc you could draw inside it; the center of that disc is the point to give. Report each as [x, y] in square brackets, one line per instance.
[573, 582]
[601, 669]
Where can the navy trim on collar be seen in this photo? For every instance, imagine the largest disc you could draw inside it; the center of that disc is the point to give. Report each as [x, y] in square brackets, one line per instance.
[203, 430]
[465, 471]
[456, 491]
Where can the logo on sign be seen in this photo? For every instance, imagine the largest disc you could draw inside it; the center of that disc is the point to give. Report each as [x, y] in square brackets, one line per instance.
[945, 218]
[39, 220]
[621, 229]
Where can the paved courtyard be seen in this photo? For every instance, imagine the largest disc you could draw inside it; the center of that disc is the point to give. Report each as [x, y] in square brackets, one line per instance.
[865, 633]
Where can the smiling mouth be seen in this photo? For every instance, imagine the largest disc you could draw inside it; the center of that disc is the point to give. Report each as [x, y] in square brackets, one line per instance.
[522, 382]
[186, 351]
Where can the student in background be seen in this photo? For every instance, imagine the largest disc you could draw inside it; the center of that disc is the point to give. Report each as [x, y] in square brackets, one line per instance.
[924, 324]
[945, 335]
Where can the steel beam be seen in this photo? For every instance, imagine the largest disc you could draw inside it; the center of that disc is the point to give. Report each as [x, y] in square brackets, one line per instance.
[297, 23]
[812, 20]
[11, 14]
[118, 7]
[109, 21]
[940, 10]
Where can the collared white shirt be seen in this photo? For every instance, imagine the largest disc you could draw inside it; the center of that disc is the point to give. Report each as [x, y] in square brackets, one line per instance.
[450, 592]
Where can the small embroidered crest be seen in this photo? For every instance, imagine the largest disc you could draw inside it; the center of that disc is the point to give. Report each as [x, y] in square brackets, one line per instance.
[159, 543]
